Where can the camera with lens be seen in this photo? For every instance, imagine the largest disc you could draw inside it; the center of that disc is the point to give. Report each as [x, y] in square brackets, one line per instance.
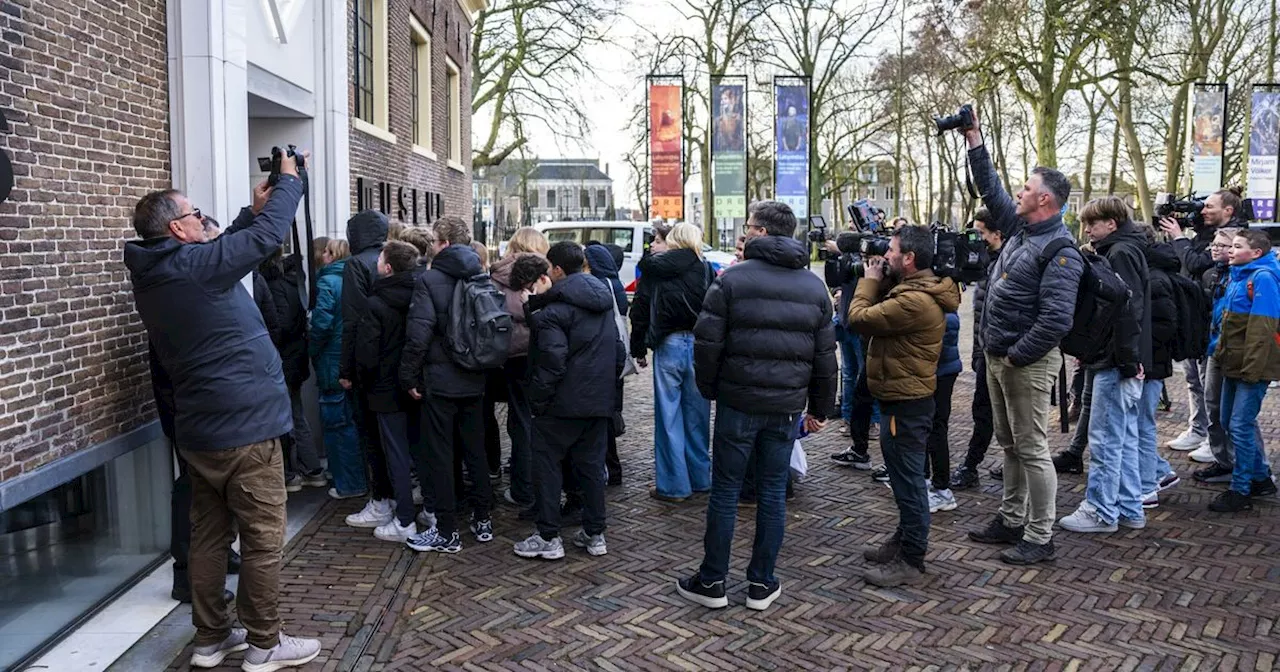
[1187, 211]
[959, 255]
[961, 121]
[271, 165]
[818, 235]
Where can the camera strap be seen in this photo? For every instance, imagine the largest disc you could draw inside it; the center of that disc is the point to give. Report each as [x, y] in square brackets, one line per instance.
[305, 253]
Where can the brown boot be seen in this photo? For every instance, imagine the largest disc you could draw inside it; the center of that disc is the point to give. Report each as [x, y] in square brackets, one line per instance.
[882, 554]
[896, 573]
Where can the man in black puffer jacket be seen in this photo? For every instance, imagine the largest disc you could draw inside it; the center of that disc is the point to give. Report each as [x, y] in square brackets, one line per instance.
[764, 350]
[1027, 310]
[452, 397]
[575, 357]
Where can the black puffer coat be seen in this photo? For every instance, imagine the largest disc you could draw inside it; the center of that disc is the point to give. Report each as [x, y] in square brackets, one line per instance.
[426, 364]
[575, 355]
[765, 341]
[380, 344]
[366, 232]
[1162, 262]
[980, 297]
[1131, 340]
[677, 283]
[1026, 312]
[285, 279]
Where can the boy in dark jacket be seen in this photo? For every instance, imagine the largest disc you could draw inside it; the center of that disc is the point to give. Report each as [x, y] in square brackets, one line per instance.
[452, 397]
[575, 358]
[1162, 263]
[379, 345]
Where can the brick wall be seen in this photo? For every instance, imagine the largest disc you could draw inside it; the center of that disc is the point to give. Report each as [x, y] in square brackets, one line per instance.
[84, 87]
[377, 160]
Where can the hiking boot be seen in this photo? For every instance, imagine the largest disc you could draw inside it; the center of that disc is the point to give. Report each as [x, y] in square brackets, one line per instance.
[1214, 473]
[483, 529]
[1230, 502]
[1262, 488]
[537, 547]
[1187, 440]
[964, 478]
[1067, 462]
[594, 543]
[431, 540]
[884, 553]
[212, 655]
[760, 596]
[880, 474]
[376, 513]
[852, 457]
[1086, 519]
[996, 532]
[941, 500]
[710, 596]
[898, 572]
[1027, 553]
[997, 473]
[394, 531]
[290, 652]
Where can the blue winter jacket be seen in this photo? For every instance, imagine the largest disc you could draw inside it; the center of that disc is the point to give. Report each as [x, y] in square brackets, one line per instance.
[208, 334]
[326, 326]
[1025, 312]
[949, 363]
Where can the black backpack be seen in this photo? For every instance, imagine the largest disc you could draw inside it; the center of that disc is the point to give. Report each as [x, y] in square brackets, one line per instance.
[1103, 299]
[1194, 312]
[478, 335]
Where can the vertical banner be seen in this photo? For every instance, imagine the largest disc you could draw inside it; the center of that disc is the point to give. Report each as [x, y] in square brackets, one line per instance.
[729, 146]
[666, 155]
[791, 138]
[1208, 129]
[1264, 150]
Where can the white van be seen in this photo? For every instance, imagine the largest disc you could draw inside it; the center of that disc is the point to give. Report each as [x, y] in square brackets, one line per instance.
[630, 236]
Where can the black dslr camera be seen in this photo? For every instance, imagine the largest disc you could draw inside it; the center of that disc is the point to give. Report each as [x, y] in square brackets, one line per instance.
[962, 120]
[1186, 210]
[959, 255]
[271, 165]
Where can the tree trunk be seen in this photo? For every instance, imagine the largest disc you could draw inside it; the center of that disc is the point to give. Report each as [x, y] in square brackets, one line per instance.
[1086, 189]
[1136, 155]
[1175, 141]
[1115, 160]
[1046, 122]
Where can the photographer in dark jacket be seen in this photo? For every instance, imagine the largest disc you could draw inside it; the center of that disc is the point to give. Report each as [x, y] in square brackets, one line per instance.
[575, 359]
[230, 405]
[857, 406]
[764, 350]
[1114, 492]
[966, 475]
[452, 397]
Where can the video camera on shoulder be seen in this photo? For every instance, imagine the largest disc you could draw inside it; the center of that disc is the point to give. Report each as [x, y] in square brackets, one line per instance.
[271, 165]
[959, 255]
[1187, 211]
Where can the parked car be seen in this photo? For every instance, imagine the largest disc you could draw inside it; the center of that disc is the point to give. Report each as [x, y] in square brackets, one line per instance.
[630, 236]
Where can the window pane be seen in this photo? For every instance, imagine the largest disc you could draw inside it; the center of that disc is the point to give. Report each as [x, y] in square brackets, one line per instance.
[551, 198]
[557, 235]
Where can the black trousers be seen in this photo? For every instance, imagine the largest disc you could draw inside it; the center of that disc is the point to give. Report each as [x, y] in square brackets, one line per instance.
[863, 407]
[939, 466]
[904, 431]
[583, 441]
[376, 458]
[983, 421]
[495, 391]
[453, 425]
[398, 432]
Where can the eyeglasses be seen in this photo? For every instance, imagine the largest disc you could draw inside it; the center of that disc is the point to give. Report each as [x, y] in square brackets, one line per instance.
[746, 228]
[194, 211]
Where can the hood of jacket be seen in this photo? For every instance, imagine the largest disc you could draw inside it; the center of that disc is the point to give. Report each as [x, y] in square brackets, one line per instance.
[458, 261]
[500, 270]
[1127, 233]
[601, 262]
[395, 289]
[1162, 256]
[945, 291]
[673, 263]
[582, 291]
[619, 255]
[366, 229]
[142, 256]
[777, 250]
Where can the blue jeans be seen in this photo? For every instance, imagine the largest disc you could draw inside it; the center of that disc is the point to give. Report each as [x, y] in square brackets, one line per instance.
[1115, 481]
[738, 435]
[342, 443]
[681, 421]
[1153, 465]
[850, 365]
[1241, 402]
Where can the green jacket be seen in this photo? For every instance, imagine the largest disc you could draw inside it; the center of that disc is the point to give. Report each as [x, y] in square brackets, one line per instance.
[326, 326]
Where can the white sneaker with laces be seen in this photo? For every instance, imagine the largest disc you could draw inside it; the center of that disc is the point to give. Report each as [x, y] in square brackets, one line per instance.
[942, 500]
[1187, 440]
[393, 531]
[1086, 519]
[1203, 454]
[290, 652]
[213, 654]
[374, 514]
[1151, 500]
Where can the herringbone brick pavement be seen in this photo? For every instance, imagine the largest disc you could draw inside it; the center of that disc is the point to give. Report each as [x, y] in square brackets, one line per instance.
[1192, 591]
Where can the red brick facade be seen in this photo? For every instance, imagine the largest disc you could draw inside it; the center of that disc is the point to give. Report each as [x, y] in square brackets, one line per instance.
[84, 87]
[376, 160]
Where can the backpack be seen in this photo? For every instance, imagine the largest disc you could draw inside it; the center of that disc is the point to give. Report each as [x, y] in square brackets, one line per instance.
[1102, 300]
[1194, 313]
[479, 331]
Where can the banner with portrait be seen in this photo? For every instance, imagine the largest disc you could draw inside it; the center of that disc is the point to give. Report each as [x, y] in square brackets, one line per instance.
[791, 139]
[1208, 131]
[729, 146]
[666, 155]
[1264, 150]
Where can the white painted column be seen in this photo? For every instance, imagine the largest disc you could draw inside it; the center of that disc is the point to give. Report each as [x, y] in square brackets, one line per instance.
[333, 125]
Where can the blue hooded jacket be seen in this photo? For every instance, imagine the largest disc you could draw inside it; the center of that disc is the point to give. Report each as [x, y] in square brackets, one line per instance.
[326, 326]
[949, 363]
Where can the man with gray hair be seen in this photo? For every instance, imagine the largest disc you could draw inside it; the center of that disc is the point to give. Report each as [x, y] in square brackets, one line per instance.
[1027, 310]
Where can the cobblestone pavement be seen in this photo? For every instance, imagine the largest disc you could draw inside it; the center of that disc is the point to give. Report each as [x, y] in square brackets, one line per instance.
[1194, 590]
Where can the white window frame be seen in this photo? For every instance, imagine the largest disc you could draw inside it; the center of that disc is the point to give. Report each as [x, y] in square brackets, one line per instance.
[381, 126]
[453, 81]
[420, 42]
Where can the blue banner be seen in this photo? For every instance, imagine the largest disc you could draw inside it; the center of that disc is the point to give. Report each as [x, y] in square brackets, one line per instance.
[791, 130]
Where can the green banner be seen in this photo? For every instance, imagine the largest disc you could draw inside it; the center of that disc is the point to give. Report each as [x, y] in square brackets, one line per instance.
[729, 150]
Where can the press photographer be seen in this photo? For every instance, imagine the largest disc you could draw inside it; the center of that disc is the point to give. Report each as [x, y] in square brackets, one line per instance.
[231, 404]
[906, 330]
[1224, 207]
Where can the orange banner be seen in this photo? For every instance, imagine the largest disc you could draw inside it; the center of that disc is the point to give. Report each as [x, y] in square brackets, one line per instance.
[665, 155]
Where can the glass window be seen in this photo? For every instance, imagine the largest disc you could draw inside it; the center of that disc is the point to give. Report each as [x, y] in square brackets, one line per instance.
[602, 198]
[420, 83]
[454, 111]
[533, 198]
[362, 45]
[614, 235]
[584, 198]
[63, 552]
[551, 198]
[871, 193]
[557, 235]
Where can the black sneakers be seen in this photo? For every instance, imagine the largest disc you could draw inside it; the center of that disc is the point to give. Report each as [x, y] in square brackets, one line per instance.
[1263, 488]
[1027, 553]
[760, 596]
[880, 474]
[1214, 473]
[996, 532]
[858, 459]
[997, 473]
[964, 478]
[1067, 462]
[710, 596]
[1230, 502]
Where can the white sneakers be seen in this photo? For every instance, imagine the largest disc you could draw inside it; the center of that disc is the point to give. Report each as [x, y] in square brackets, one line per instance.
[1187, 440]
[1203, 454]
[374, 514]
[941, 500]
[1086, 519]
[393, 531]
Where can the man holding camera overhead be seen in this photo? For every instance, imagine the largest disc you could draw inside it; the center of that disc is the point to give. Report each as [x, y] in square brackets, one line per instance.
[231, 407]
[1027, 311]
